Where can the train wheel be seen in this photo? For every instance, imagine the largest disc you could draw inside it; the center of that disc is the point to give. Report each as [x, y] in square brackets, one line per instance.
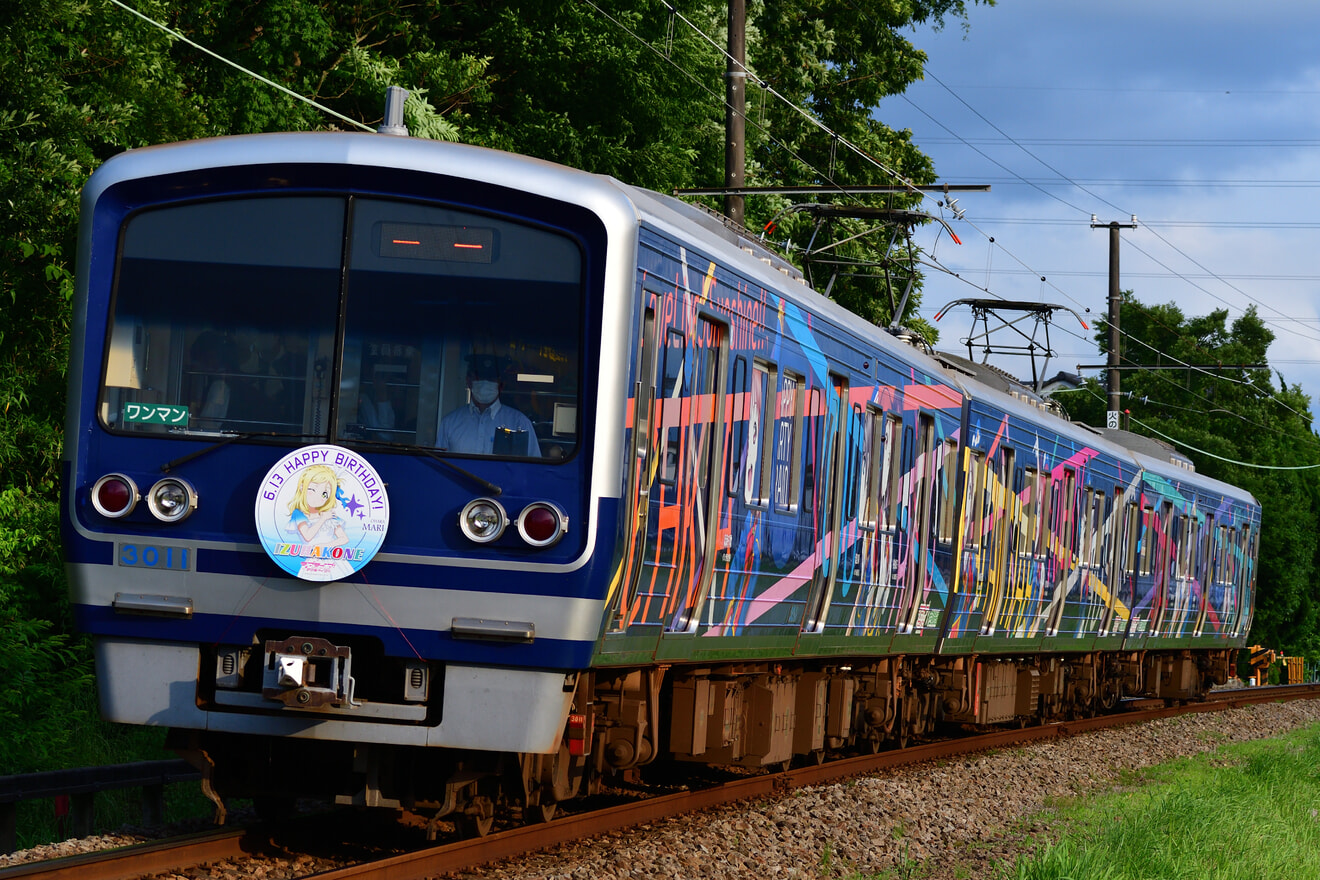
[905, 725]
[478, 819]
[1110, 693]
[536, 814]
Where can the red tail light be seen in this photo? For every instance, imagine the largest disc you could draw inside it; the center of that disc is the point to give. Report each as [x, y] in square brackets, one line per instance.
[114, 496]
[542, 524]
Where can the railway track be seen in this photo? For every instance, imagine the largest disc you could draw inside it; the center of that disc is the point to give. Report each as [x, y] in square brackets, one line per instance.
[262, 841]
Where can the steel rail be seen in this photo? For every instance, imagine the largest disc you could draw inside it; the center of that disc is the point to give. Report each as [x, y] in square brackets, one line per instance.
[141, 859]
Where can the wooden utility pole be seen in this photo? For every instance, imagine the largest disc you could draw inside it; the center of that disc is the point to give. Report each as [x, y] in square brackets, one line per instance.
[735, 143]
[1112, 419]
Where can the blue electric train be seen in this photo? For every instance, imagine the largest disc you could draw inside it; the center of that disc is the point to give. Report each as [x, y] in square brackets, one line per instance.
[418, 475]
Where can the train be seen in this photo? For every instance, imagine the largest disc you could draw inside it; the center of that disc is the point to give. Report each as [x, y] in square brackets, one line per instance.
[428, 477]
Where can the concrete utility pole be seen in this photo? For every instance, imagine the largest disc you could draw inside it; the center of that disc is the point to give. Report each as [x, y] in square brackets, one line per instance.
[735, 146]
[1115, 299]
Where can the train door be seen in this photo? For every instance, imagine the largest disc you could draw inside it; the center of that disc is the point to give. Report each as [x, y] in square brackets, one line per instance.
[1232, 576]
[1114, 556]
[704, 442]
[1246, 580]
[830, 543]
[919, 524]
[1201, 570]
[969, 583]
[1004, 509]
[1027, 584]
[1164, 554]
[888, 475]
[641, 466]
[1129, 566]
[1178, 601]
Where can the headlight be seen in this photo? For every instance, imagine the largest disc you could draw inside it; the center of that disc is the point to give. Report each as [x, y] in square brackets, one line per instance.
[171, 500]
[483, 520]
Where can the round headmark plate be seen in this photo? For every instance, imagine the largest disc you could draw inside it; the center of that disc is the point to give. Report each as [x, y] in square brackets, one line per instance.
[322, 512]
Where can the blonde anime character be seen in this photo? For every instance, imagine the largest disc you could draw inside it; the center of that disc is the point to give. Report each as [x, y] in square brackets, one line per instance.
[312, 512]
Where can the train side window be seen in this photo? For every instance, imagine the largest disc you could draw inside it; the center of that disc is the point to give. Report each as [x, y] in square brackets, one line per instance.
[1030, 482]
[856, 476]
[788, 443]
[1148, 539]
[1133, 517]
[1006, 497]
[709, 364]
[1067, 507]
[671, 390]
[1082, 522]
[974, 498]
[1196, 552]
[1230, 557]
[812, 452]
[868, 473]
[891, 470]
[1243, 581]
[1046, 521]
[644, 390]
[738, 451]
[1184, 553]
[948, 477]
[760, 433]
[1096, 513]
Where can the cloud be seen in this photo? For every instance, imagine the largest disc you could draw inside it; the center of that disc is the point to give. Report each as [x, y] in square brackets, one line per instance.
[1200, 118]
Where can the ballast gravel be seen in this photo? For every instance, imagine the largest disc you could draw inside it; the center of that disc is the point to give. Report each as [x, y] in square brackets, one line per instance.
[955, 818]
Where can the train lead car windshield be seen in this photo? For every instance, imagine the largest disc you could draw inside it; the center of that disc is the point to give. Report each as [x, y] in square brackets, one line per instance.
[461, 331]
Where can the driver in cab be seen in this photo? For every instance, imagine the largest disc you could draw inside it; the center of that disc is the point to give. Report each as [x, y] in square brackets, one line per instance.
[484, 425]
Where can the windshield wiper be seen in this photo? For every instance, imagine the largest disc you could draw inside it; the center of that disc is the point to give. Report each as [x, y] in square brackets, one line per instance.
[198, 453]
[490, 487]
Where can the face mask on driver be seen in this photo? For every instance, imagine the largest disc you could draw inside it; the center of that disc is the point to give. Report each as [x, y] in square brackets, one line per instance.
[484, 392]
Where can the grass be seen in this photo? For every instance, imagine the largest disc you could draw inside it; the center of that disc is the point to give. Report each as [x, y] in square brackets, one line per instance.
[1248, 810]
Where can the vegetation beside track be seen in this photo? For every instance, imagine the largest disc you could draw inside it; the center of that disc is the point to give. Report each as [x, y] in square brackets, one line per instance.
[1244, 810]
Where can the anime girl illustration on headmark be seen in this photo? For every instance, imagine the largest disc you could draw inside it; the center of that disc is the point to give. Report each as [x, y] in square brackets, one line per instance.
[322, 513]
[314, 514]
[313, 511]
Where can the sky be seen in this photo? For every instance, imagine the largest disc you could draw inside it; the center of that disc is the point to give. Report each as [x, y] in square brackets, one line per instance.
[1202, 119]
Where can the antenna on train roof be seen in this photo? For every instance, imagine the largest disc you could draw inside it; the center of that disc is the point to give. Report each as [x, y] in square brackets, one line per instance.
[393, 122]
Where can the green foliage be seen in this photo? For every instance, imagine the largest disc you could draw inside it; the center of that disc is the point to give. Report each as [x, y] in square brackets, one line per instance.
[45, 675]
[1190, 823]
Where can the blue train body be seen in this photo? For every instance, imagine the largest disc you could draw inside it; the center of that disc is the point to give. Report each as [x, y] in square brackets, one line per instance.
[715, 517]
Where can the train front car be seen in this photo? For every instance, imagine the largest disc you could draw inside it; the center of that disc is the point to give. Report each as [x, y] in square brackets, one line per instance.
[335, 499]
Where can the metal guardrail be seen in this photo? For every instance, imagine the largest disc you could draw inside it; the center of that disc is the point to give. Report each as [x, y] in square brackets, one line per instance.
[80, 785]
